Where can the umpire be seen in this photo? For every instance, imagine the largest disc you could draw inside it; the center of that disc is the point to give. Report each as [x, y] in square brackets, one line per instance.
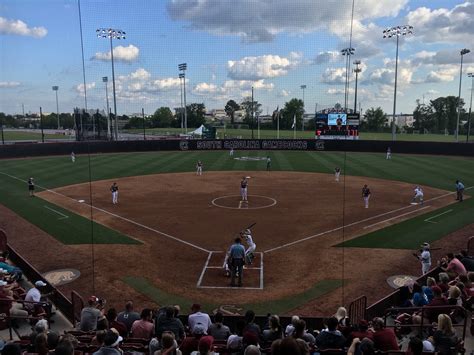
[236, 261]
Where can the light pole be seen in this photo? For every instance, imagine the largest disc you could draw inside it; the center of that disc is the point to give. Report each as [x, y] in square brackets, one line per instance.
[182, 67]
[181, 77]
[347, 52]
[112, 33]
[390, 32]
[56, 88]
[302, 87]
[470, 75]
[105, 80]
[357, 70]
[463, 52]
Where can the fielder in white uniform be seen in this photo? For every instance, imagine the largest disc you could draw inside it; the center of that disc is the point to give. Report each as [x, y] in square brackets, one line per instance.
[199, 168]
[251, 246]
[231, 153]
[114, 190]
[337, 173]
[389, 153]
[73, 157]
[425, 258]
[418, 195]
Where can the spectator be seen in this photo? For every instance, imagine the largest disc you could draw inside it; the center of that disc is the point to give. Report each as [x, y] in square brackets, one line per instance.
[111, 344]
[289, 346]
[114, 323]
[419, 297]
[466, 260]
[64, 348]
[34, 295]
[91, 315]
[362, 331]
[144, 327]
[99, 337]
[438, 300]
[8, 304]
[384, 338]
[251, 326]
[454, 296]
[249, 338]
[169, 345]
[234, 342]
[190, 344]
[290, 328]
[361, 347]
[415, 346]
[443, 281]
[341, 316]
[128, 316]
[252, 350]
[300, 332]
[14, 271]
[169, 323]
[470, 285]
[41, 344]
[454, 266]
[205, 346]
[444, 337]
[198, 317]
[430, 282]
[275, 332]
[218, 330]
[40, 327]
[330, 338]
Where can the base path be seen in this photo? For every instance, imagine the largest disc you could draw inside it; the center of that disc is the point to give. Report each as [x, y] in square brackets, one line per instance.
[182, 217]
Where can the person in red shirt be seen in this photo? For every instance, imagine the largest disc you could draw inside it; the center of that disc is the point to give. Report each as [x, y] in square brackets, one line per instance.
[144, 327]
[362, 331]
[384, 338]
[454, 267]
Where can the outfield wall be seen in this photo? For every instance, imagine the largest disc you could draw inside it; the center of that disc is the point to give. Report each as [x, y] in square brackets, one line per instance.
[41, 149]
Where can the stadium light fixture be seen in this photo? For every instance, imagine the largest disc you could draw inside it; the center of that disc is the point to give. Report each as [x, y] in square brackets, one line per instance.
[112, 33]
[357, 70]
[56, 88]
[347, 52]
[182, 75]
[463, 52]
[390, 32]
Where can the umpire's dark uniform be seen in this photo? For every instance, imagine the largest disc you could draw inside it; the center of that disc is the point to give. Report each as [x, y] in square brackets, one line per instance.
[237, 261]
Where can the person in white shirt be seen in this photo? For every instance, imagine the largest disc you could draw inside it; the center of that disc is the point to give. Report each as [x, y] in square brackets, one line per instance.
[33, 295]
[198, 317]
[418, 196]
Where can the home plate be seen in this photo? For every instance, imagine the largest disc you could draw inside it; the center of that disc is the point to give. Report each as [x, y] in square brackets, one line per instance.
[81, 201]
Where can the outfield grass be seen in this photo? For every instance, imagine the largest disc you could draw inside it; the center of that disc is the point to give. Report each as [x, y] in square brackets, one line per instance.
[289, 134]
[31, 136]
[280, 306]
[52, 172]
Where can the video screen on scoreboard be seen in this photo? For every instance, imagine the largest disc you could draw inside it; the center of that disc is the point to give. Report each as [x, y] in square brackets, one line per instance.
[337, 119]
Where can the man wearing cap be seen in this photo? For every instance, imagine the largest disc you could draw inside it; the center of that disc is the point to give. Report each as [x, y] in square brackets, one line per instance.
[90, 315]
[425, 258]
[237, 261]
[111, 344]
[34, 295]
[198, 317]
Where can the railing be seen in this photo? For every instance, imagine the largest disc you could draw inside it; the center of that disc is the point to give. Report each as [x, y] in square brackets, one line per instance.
[358, 310]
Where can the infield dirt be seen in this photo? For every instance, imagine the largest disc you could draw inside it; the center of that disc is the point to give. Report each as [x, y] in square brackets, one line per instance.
[174, 217]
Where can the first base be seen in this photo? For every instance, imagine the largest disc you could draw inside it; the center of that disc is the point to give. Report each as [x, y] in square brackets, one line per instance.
[81, 201]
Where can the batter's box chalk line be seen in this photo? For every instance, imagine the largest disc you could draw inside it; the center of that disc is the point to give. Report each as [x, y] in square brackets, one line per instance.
[225, 280]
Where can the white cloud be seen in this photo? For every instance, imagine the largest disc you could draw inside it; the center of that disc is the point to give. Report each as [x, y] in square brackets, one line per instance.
[443, 74]
[262, 67]
[123, 54]
[334, 76]
[9, 84]
[20, 28]
[207, 88]
[247, 85]
[262, 20]
[140, 74]
[283, 93]
[444, 25]
[166, 84]
[80, 87]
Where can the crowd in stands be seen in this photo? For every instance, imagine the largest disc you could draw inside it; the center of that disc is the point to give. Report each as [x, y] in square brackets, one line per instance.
[428, 313]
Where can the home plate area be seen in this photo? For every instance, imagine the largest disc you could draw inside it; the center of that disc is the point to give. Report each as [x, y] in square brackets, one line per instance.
[213, 274]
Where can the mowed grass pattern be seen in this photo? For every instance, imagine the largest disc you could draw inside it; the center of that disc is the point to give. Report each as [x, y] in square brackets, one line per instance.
[52, 172]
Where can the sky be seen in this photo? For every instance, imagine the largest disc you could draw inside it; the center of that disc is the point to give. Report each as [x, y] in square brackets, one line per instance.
[230, 46]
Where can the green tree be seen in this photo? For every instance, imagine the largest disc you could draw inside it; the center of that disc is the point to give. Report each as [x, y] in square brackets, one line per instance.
[230, 109]
[195, 114]
[294, 107]
[248, 106]
[423, 117]
[375, 118]
[163, 117]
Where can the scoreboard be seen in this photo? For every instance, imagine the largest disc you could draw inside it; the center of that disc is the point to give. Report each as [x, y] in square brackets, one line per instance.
[337, 125]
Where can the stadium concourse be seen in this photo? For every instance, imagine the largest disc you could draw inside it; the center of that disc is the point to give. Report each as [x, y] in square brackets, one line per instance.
[429, 315]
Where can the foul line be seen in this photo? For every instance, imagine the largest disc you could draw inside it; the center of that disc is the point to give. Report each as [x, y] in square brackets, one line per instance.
[401, 215]
[59, 213]
[429, 219]
[204, 270]
[355, 223]
[115, 215]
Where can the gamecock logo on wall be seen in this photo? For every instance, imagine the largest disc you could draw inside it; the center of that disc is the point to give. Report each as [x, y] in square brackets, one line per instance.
[183, 145]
